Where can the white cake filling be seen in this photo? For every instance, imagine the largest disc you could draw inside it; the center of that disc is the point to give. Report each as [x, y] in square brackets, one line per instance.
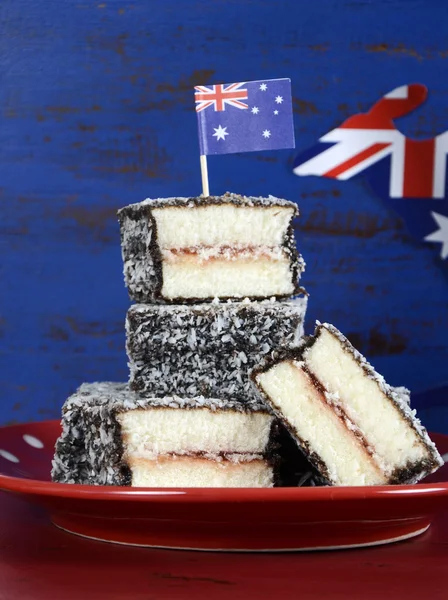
[225, 224]
[294, 396]
[223, 278]
[146, 433]
[385, 429]
[184, 471]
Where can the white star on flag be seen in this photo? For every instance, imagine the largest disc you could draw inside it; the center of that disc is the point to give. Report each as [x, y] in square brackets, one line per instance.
[220, 133]
[255, 110]
[275, 112]
[441, 235]
[263, 87]
[266, 133]
[278, 99]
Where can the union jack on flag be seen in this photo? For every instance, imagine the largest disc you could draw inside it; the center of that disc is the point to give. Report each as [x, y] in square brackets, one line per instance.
[408, 174]
[245, 116]
[220, 95]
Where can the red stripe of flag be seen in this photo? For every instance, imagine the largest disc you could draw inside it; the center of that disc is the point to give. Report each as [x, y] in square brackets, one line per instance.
[355, 160]
[199, 97]
[418, 168]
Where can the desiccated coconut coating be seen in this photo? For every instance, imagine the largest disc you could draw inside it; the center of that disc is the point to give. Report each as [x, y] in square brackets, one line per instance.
[228, 198]
[142, 255]
[400, 398]
[90, 449]
[406, 455]
[207, 349]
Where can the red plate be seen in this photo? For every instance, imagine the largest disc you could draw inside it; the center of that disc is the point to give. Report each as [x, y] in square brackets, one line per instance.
[272, 519]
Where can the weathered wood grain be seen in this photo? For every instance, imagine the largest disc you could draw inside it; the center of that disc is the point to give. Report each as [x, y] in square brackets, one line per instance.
[97, 111]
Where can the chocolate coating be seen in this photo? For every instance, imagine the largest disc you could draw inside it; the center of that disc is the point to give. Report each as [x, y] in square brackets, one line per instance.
[409, 474]
[207, 349]
[141, 253]
[90, 451]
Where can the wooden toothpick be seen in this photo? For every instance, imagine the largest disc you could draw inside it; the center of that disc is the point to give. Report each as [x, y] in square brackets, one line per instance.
[204, 175]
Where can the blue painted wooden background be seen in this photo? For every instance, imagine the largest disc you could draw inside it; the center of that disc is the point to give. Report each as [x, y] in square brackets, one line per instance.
[97, 111]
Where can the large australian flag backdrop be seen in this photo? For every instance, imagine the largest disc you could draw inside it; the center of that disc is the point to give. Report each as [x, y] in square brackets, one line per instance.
[245, 116]
[409, 175]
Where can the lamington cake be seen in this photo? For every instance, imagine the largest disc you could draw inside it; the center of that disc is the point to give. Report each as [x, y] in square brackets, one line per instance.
[353, 427]
[195, 249]
[112, 437]
[207, 349]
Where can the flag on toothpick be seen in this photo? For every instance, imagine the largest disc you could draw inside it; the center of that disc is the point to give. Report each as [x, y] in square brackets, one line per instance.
[243, 117]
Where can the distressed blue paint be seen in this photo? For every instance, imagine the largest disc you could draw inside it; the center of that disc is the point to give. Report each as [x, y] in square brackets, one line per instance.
[97, 112]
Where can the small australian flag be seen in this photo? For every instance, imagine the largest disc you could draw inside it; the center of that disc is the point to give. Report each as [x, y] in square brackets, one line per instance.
[245, 116]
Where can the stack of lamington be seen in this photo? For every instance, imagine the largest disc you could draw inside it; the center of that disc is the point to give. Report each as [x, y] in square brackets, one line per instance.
[212, 277]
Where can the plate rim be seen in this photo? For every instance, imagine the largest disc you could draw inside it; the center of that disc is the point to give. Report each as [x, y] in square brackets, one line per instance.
[276, 550]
